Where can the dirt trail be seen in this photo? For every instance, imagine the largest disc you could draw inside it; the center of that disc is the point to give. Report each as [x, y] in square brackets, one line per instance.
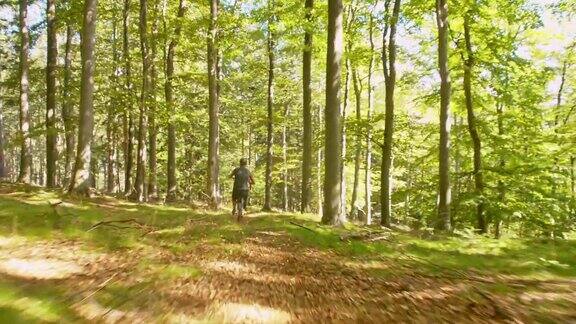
[267, 278]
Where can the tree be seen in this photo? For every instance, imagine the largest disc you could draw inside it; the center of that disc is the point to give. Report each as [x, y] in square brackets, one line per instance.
[140, 194]
[482, 226]
[307, 110]
[80, 183]
[152, 112]
[67, 106]
[270, 110]
[357, 83]
[51, 68]
[368, 172]
[444, 194]
[213, 186]
[26, 142]
[2, 155]
[333, 157]
[168, 92]
[127, 119]
[111, 126]
[389, 64]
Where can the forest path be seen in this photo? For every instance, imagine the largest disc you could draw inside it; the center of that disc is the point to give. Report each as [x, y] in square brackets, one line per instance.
[205, 267]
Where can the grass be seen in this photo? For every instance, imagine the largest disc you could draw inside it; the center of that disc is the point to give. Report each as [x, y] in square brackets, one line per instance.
[26, 216]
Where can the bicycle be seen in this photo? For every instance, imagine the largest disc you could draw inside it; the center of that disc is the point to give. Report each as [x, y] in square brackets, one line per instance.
[239, 209]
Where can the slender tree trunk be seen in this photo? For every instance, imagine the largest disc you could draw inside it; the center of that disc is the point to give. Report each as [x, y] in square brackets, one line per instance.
[368, 171]
[501, 166]
[285, 191]
[319, 162]
[270, 119]
[128, 121]
[389, 64]
[25, 149]
[478, 176]
[343, 211]
[111, 121]
[307, 104]
[152, 127]
[172, 183]
[358, 140]
[3, 171]
[572, 178]
[213, 187]
[444, 194]
[69, 124]
[80, 183]
[51, 68]
[333, 137]
[140, 183]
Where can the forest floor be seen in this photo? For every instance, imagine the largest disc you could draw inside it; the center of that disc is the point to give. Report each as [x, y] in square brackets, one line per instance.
[175, 264]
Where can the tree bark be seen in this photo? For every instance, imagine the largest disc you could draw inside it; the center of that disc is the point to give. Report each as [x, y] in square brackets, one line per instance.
[307, 104]
[358, 140]
[25, 175]
[333, 156]
[482, 226]
[67, 107]
[51, 85]
[80, 183]
[389, 64]
[368, 171]
[3, 171]
[213, 185]
[444, 194]
[501, 166]
[270, 119]
[152, 126]
[111, 121]
[343, 212]
[285, 191]
[128, 121]
[168, 91]
[141, 158]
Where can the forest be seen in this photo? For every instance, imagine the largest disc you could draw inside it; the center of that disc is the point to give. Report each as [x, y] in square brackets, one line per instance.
[405, 153]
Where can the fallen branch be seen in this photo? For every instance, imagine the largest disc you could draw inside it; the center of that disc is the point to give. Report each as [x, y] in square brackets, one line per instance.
[125, 221]
[100, 287]
[369, 236]
[304, 227]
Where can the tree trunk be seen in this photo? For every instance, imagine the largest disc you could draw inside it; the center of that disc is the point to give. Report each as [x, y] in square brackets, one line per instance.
[478, 179]
[319, 162]
[333, 156]
[270, 119]
[285, 197]
[213, 186]
[389, 64]
[343, 211]
[368, 171]
[358, 150]
[3, 171]
[51, 69]
[80, 183]
[111, 121]
[152, 127]
[501, 166]
[445, 198]
[128, 121]
[307, 104]
[25, 148]
[69, 123]
[141, 158]
[172, 184]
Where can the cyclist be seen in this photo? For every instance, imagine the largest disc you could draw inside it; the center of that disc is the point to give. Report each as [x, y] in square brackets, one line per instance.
[243, 182]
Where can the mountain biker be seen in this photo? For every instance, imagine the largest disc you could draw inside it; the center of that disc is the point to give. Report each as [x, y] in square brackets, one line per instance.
[243, 182]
